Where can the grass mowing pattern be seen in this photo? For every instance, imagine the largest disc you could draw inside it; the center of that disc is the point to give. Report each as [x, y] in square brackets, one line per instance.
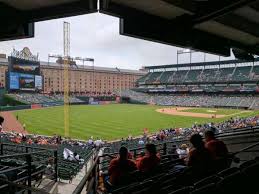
[106, 121]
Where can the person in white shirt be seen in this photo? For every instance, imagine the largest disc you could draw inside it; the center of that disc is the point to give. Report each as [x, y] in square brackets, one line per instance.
[182, 151]
[141, 142]
[98, 143]
[90, 141]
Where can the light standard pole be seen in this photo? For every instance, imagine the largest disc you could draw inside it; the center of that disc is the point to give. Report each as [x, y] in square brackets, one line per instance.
[119, 72]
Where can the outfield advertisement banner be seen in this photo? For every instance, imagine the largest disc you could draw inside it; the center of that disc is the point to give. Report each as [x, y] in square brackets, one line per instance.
[93, 103]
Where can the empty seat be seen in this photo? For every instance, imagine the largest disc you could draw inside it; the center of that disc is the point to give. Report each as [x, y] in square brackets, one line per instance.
[247, 163]
[251, 176]
[184, 190]
[206, 181]
[228, 171]
[206, 189]
[135, 188]
[233, 183]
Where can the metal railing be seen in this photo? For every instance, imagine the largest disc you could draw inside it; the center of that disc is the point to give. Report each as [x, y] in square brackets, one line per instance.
[24, 173]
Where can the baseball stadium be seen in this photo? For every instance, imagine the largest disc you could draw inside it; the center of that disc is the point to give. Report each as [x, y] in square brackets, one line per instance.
[69, 126]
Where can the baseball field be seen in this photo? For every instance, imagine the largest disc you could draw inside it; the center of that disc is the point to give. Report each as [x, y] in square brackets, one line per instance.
[119, 120]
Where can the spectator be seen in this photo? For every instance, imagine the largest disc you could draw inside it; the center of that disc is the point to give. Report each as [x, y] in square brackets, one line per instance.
[90, 141]
[173, 153]
[217, 149]
[199, 157]
[1, 123]
[150, 161]
[182, 151]
[120, 167]
[141, 142]
[98, 143]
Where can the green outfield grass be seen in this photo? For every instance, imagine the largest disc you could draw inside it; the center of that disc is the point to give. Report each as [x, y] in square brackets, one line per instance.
[106, 121]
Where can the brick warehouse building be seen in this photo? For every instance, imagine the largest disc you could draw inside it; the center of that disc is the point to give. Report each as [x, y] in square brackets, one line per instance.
[82, 79]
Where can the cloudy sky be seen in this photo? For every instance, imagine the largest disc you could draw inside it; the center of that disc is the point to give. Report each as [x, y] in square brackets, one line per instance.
[97, 36]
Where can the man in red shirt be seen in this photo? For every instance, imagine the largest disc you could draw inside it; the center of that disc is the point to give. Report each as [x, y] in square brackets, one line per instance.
[150, 161]
[199, 157]
[217, 149]
[120, 167]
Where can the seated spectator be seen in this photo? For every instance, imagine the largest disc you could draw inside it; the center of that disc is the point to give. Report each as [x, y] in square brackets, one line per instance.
[120, 167]
[173, 153]
[150, 161]
[199, 156]
[29, 141]
[98, 143]
[217, 149]
[1, 123]
[182, 151]
[141, 142]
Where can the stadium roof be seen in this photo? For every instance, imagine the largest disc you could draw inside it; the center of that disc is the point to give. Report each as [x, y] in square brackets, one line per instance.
[94, 68]
[206, 25]
[226, 62]
[18, 16]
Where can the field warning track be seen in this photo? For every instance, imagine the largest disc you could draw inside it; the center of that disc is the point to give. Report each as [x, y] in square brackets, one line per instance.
[11, 123]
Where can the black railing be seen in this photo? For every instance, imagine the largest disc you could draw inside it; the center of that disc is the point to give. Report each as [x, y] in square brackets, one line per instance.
[27, 159]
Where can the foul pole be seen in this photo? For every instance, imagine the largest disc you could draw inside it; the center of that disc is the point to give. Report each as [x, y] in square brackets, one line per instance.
[66, 36]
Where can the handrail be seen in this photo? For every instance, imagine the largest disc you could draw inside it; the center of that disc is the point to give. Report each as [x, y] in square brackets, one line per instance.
[28, 156]
[20, 155]
[36, 190]
[20, 145]
[82, 183]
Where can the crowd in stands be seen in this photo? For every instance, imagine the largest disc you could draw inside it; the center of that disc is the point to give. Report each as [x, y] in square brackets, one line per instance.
[170, 134]
[235, 74]
[204, 158]
[208, 88]
[37, 98]
[58, 99]
[194, 100]
[204, 167]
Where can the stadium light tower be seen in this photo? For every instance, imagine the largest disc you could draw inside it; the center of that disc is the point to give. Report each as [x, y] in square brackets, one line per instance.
[66, 44]
[120, 76]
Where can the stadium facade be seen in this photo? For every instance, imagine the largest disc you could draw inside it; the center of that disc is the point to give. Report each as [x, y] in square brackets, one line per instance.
[83, 79]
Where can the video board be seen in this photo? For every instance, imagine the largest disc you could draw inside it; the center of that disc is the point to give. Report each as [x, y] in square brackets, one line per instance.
[24, 75]
[20, 81]
[24, 66]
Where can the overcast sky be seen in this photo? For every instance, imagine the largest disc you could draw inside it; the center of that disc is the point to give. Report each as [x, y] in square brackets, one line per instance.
[97, 36]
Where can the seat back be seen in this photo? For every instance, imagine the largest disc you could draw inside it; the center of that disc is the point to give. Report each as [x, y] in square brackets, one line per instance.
[206, 189]
[232, 183]
[184, 190]
[206, 181]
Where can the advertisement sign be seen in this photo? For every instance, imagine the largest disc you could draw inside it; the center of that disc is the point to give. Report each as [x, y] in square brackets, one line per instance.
[38, 82]
[19, 81]
[26, 82]
[14, 81]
